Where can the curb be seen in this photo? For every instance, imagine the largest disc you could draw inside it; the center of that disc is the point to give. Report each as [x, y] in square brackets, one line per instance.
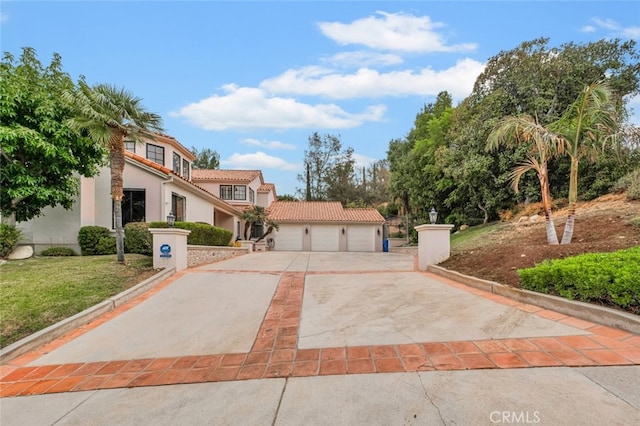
[586, 311]
[60, 328]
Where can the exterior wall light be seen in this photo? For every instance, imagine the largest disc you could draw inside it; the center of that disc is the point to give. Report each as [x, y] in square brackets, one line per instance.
[171, 220]
[306, 230]
[342, 230]
[378, 231]
[433, 216]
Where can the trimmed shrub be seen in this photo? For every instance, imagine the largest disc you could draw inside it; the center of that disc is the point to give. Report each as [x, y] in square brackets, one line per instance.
[9, 237]
[138, 239]
[611, 279]
[106, 245]
[58, 251]
[201, 234]
[89, 237]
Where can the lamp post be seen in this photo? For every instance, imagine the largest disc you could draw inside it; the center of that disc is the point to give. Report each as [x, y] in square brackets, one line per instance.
[171, 219]
[433, 216]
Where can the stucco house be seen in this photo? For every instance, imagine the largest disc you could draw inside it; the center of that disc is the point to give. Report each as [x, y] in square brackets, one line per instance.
[157, 180]
[325, 226]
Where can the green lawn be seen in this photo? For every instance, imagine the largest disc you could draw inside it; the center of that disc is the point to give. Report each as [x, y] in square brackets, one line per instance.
[38, 292]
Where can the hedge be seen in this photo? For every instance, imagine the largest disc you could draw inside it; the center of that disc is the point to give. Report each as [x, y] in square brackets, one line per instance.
[201, 234]
[93, 240]
[611, 279]
[9, 237]
[138, 239]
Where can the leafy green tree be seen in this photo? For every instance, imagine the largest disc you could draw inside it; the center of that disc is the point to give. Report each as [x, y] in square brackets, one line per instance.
[206, 158]
[287, 197]
[41, 157]
[319, 160]
[271, 226]
[109, 115]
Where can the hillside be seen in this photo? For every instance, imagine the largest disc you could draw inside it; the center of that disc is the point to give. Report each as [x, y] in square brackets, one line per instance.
[496, 251]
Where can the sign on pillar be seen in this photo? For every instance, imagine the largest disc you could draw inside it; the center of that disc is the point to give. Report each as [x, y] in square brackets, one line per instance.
[170, 248]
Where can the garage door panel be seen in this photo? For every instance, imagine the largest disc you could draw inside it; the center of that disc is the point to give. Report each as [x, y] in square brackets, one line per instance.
[325, 238]
[361, 238]
[289, 238]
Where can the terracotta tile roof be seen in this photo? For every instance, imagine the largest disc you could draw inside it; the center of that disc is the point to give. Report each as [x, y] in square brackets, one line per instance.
[226, 175]
[266, 187]
[170, 172]
[320, 211]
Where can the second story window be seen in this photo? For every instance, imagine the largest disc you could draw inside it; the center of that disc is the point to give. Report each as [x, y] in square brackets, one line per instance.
[252, 196]
[176, 163]
[130, 146]
[239, 192]
[155, 153]
[185, 169]
[226, 192]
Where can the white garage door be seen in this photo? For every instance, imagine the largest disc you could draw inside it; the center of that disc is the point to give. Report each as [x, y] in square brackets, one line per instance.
[325, 238]
[289, 238]
[361, 238]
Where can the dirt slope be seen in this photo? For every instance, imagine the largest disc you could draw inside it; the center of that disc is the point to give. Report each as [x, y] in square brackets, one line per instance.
[602, 225]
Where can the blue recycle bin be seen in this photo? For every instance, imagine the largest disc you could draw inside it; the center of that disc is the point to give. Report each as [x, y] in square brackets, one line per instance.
[385, 246]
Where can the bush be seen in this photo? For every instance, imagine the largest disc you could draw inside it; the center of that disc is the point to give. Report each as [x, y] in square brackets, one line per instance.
[629, 184]
[611, 279]
[201, 234]
[9, 237]
[106, 245]
[635, 222]
[89, 237]
[138, 239]
[58, 251]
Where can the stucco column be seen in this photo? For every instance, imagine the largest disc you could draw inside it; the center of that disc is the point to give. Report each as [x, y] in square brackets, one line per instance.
[169, 248]
[434, 244]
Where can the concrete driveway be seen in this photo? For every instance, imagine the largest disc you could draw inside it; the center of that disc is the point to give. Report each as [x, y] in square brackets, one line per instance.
[326, 338]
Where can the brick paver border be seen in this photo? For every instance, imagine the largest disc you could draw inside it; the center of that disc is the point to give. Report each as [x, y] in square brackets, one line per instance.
[275, 352]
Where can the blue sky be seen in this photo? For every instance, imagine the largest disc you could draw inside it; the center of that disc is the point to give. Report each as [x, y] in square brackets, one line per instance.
[253, 80]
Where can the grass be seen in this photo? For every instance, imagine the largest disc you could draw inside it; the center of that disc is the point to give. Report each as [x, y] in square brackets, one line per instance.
[475, 236]
[38, 292]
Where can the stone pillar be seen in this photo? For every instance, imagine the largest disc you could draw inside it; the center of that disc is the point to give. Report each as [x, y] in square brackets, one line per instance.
[169, 248]
[434, 244]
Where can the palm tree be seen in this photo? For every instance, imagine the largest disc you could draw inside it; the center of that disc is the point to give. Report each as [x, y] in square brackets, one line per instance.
[271, 226]
[512, 131]
[109, 114]
[587, 125]
[255, 214]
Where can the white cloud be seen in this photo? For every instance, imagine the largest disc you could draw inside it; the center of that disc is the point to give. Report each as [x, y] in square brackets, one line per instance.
[393, 31]
[369, 83]
[268, 144]
[363, 58]
[257, 160]
[612, 26]
[363, 160]
[244, 108]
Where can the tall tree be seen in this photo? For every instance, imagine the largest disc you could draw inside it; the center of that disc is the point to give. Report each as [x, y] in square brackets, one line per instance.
[206, 158]
[40, 155]
[587, 125]
[256, 214]
[109, 115]
[319, 159]
[542, 144]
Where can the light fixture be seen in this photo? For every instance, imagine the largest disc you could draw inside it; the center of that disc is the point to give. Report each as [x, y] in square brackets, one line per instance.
[171, 219]
[433, 216]
[306, 230]
[342, 230]
[378, 231]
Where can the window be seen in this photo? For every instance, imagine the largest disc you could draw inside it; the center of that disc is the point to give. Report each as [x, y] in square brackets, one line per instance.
[155, 153]
[239, 192]
[178, 204]
[176, 163]
[130, 146]
[225, 192]
[185, 169]
[252, 196]
[133, 206]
